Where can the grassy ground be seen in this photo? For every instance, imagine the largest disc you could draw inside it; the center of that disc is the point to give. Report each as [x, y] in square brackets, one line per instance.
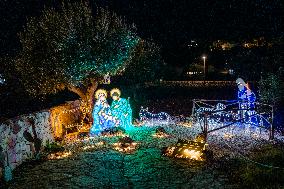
[265, 169]
[105, 167]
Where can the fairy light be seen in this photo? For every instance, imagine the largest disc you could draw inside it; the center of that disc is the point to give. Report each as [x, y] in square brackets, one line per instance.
[185, 124]
[60, 116]
[192, 154]
[160, 135]
[147, 116]
[118, 134]
[187, 149]
[228, 136]
[126, 148]
[60, 155]
[89, 147]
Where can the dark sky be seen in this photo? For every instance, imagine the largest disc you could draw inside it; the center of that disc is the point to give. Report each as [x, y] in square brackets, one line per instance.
[171, 23]
[175, 21]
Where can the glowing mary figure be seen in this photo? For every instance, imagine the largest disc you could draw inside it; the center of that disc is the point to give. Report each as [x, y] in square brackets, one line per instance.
[121, 109]
[102, 115]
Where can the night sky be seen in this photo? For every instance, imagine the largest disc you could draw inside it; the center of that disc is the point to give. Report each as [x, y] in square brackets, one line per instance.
[170, 23]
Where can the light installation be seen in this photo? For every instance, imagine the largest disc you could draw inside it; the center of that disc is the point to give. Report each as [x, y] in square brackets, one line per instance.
[230, 116]
[102, 114]
[121, 109]
[187, 149]
[160, 133]
[146, 116]
[126, 145]
[247, 100]
[225, 112]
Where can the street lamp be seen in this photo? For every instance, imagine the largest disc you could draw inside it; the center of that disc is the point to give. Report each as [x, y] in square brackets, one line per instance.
[204, 66]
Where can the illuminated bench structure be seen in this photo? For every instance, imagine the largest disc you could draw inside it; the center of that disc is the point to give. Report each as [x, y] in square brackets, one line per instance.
[187, 149]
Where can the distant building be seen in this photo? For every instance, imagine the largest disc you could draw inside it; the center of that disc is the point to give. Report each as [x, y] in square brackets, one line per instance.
[195, 70]
[225, 45]
[192, 44]
[193, 73]
[222, 45]
[258, 42]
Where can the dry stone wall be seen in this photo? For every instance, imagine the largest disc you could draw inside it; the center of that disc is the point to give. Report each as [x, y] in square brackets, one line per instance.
[13, 141]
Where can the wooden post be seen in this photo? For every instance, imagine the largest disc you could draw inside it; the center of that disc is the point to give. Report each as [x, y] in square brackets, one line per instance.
[193, 108]
[205, 128]
[271, 133]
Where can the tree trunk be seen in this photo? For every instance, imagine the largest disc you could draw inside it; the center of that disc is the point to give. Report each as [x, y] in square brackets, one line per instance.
[90, 99]
[87, 100]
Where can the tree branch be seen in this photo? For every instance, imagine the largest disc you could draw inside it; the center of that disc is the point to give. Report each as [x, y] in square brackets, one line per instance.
[77, 90]
[92, 89]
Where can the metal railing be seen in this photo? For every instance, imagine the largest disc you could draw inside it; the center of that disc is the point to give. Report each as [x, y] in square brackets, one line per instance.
[227, 113]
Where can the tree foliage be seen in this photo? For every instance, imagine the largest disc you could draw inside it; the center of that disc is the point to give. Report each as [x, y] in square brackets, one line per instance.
[146, 65]
[271, 89]
[70, 48]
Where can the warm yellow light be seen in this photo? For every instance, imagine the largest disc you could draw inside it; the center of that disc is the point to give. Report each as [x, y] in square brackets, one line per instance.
[185, 124]
[192, 154]
[129, 148]
[160, 135]
[227, 135]
[60, 155]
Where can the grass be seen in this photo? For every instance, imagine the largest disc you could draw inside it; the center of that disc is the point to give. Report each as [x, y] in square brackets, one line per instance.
[262, 173]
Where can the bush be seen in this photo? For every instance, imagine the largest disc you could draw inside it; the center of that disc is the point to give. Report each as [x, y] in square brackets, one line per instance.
[53, 147]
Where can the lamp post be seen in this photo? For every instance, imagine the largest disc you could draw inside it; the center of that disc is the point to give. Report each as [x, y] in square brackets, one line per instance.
[204, 66]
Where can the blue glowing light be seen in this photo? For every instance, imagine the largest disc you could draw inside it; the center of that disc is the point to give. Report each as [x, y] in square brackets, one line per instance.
[247, 100]
[161, 117]
[103, 118]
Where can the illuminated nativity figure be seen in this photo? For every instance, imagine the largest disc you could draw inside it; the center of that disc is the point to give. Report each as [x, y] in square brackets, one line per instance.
[102, 116]
[247, 102]
[120, 108]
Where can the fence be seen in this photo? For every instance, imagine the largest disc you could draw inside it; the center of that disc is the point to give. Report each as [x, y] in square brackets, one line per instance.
[220, 114]
[193, 83]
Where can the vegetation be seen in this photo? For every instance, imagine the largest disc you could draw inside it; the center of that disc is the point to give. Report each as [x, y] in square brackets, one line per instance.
[71, 49]
[271, 89]
[53, 147]
[266, 170]
[37, 142]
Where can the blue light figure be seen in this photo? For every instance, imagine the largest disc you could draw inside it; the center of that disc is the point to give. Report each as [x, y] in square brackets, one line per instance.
[102, 115]
[121, 109]
[247, 102]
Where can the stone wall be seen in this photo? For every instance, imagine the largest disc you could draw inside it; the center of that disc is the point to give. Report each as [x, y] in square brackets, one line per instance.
[13, 141]
[50, 125]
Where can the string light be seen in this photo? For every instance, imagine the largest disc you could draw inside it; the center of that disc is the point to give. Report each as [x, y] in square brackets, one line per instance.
[59, 155]
[126, 148]
[160, 135]
[147, 116]
[186, 149]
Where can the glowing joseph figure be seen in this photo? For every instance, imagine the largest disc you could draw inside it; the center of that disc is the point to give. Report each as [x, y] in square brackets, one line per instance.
[247, 104]
[121, 109]
[102, 115]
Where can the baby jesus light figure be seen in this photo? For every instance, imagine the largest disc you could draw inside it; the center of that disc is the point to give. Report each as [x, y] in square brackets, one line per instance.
[102, 115]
